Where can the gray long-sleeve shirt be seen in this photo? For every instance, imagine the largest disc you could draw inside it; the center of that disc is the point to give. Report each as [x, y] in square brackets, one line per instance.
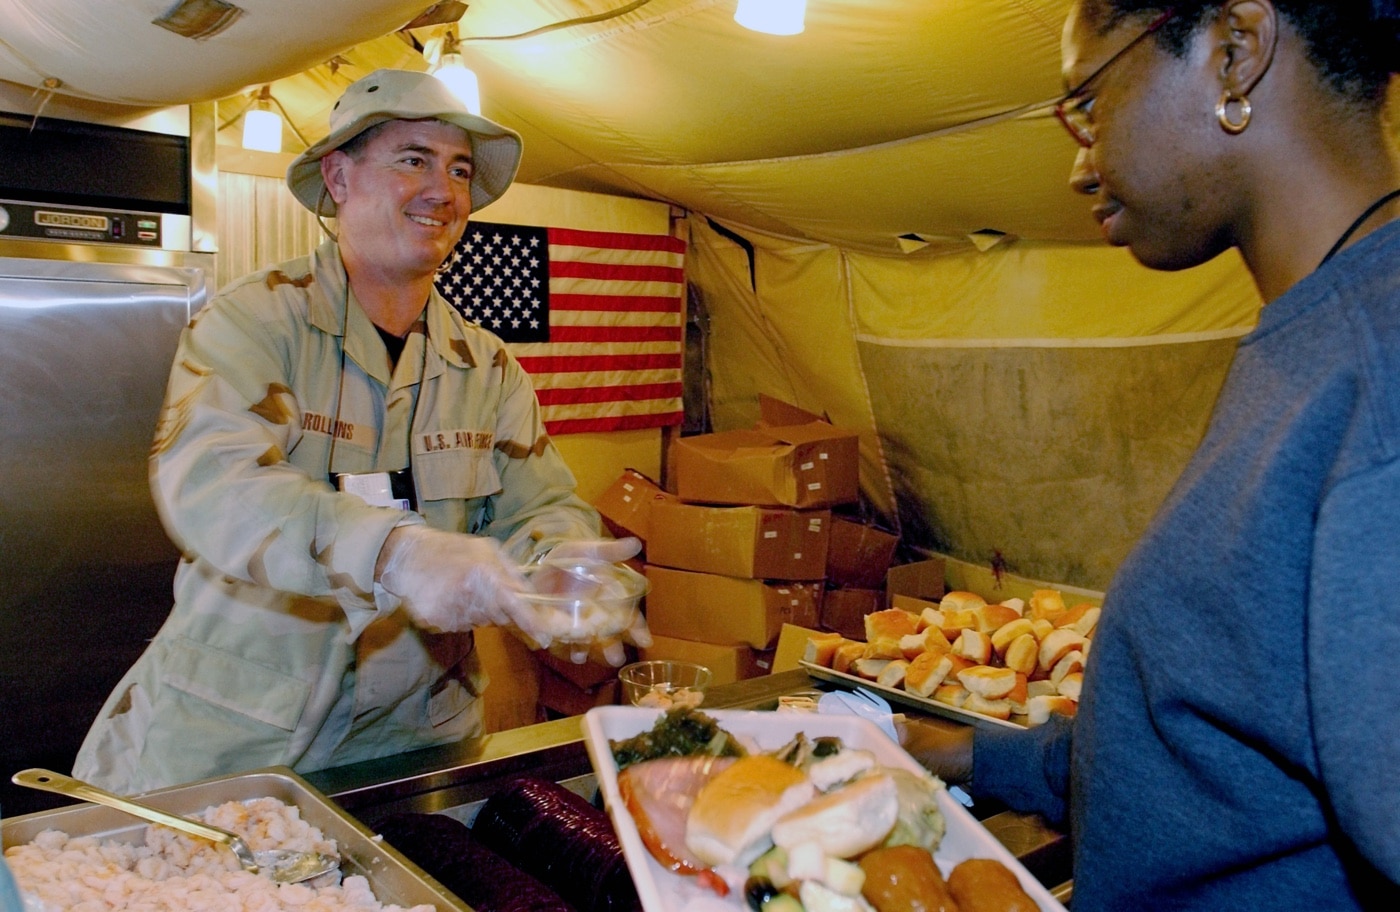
[1238, 743]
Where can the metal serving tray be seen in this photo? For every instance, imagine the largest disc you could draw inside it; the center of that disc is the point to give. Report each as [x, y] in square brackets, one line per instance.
[393, 877]
[914, 701]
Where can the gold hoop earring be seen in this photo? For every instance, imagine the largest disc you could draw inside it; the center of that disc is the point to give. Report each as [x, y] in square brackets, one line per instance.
[1222, 113]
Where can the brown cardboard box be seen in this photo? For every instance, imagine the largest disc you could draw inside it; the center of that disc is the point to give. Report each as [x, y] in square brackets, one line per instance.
[844, 610]
[805, 463]
[727, 664]
[560, 695]
[709, 608]
[588, 674]
[921, 579]
[911, 604]
[792, 643]
[626, 505]
[859, 555]
[750, 542]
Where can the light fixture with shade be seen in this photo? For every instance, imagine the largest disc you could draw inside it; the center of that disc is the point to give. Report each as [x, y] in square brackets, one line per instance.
[262, 126]
[773, 17]
[454, 74]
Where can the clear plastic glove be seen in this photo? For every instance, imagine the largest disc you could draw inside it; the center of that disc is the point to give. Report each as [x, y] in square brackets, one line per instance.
[450, 582]
[615, 649]
[613, 551]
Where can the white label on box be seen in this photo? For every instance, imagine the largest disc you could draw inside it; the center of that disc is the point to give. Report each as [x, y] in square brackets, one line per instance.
[814, 486]
[814, 525]
[770, 534]
[797, 555]
[627, 498]
[808, 466]
[822, 455]
[627, 486]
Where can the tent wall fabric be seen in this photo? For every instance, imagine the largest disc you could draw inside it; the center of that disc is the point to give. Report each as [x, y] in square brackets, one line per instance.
[909, 259]
[1032, 404]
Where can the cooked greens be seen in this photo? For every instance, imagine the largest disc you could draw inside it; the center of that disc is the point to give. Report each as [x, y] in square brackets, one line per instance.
[682, 731]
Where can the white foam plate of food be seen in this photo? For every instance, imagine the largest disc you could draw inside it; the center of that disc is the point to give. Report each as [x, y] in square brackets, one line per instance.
[676, 887]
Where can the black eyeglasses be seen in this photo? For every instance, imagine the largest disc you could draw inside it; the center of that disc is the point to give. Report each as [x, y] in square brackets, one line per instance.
[1073, 109]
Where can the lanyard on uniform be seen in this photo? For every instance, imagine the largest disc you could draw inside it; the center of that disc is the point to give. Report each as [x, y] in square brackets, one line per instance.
[396, 488]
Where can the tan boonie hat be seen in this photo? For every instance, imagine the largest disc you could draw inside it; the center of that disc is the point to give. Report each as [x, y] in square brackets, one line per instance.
[386, 95]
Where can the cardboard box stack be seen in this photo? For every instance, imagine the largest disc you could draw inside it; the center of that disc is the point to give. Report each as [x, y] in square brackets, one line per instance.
[742, 548]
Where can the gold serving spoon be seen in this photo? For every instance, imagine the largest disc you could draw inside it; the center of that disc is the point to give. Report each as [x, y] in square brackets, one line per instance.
[284, 866]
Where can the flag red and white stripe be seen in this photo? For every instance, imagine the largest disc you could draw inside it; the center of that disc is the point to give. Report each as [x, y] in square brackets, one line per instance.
[614, 354]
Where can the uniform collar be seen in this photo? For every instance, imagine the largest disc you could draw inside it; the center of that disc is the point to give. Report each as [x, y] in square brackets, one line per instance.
[329, 314]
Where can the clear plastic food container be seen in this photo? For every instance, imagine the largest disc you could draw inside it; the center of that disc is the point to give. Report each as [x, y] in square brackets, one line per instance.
[580, 601]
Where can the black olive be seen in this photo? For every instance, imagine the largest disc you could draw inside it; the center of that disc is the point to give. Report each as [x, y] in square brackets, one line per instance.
[757, 891]
[826, 747]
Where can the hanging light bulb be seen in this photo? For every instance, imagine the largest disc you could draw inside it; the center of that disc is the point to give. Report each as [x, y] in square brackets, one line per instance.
[262, 126]
[454, 74]
[773, 17]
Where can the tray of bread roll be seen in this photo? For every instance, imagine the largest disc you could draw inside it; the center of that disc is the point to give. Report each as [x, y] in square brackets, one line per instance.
[1014, 663]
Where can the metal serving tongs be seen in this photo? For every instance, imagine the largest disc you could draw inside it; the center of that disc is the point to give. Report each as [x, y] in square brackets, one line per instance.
[284, 866]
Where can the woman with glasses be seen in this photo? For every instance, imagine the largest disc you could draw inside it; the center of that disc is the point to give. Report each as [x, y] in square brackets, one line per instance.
[1238, 741]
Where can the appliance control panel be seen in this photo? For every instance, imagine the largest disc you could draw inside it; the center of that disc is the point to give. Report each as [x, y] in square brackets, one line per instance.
[79, 224]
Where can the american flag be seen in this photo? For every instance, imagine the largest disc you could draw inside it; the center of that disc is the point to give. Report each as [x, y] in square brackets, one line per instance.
[595, 318]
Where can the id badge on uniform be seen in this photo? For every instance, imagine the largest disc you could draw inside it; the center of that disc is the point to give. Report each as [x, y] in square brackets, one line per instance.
[380, 489]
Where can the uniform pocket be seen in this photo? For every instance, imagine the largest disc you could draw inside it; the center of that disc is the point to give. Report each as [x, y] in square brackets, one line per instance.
[456, 474]
[233, 683]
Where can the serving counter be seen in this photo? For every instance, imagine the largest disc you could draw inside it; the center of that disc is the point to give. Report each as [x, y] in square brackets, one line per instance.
[457, 779]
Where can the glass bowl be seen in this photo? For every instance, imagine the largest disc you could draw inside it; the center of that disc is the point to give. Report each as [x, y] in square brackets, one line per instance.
[663, 683]
[580, 601]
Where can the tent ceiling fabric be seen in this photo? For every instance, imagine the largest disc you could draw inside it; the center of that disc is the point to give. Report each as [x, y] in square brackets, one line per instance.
[884, 117]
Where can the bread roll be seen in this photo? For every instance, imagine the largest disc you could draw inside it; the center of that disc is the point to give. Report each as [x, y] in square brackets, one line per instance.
[986, 681]
[990, 617]
[1082, 619]
[930, 617]
[1040, 709]
[926, 672]
[1003, 635]
[1071, 662]
[997, 709]
[1020, 693]
[1015, 604]
[845, 654]
[1041, 628]
[844, 822]
[959, 600]
[735, 811]
[913, 644]
[891, 622]
[960, 663]
[1022, 654]
[821, 648]
[1043, 688]
[951, 694]
[1056, 645]
[869, 668]
[987, 885]
[884, 647]
[974, 646]
[1047, 604]
[892, 675]
[955, 622]
[1071, 685]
